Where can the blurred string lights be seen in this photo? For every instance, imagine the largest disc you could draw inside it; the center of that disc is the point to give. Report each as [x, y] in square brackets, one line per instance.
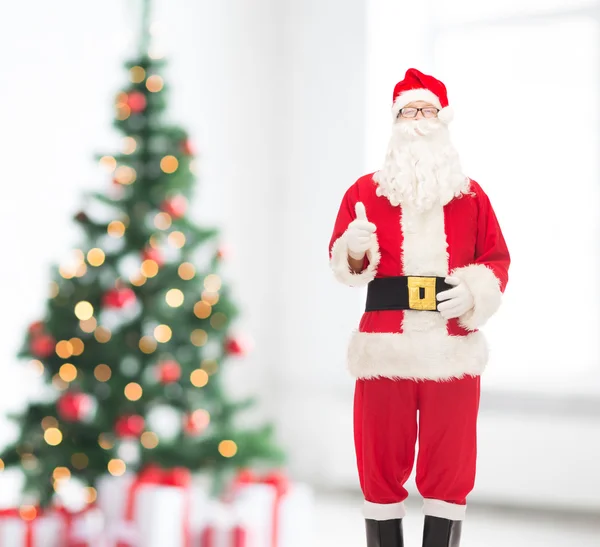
[195, 422]
[133, 391]
[163, 221]
[177, 239]
[129, 145]
[174, 298]
[149, 268]
[125, 174]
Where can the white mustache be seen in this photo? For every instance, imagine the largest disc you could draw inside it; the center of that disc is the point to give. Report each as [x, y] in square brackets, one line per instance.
[417, 128]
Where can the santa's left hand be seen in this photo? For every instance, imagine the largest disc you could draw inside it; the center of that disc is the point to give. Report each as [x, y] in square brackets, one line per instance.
[456, 301]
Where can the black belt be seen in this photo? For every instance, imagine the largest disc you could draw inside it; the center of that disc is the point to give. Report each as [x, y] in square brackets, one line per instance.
[404, 293]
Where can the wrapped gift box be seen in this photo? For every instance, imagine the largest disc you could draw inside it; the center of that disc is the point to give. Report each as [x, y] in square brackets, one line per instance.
[226, 527]
[83, 528]
[42, 531]
[296, 517]
[151, 509]
[261, 512]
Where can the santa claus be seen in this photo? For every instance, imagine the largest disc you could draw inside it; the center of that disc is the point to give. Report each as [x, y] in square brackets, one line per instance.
[425, 240]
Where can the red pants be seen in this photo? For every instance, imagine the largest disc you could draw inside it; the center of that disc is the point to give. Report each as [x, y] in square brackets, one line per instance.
[385, 434]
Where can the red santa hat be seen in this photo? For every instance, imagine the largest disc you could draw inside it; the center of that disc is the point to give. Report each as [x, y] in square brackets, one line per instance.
[417, 86]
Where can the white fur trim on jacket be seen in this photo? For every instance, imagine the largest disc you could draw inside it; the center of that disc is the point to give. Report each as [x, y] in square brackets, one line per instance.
[485, 288]
[341, 268]
[415, 95]
[424, 355]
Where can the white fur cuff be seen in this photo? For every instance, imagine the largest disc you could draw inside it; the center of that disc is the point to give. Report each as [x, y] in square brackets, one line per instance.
[383, 511]
[443, 509]
[341, 268]
[485, 288]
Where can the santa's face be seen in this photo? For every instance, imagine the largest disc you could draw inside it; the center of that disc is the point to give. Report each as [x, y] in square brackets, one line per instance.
[417, 110]
[421, 167]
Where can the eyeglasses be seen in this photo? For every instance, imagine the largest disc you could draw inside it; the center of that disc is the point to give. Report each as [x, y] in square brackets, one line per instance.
[428, 112]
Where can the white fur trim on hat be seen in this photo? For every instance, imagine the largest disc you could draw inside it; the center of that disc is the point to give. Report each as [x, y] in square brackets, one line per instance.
[412, 95]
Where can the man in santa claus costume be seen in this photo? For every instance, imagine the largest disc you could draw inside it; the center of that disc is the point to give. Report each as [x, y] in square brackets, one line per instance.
[425, 240]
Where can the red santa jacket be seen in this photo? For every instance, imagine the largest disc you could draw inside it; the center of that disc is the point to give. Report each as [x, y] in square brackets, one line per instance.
[463, 239]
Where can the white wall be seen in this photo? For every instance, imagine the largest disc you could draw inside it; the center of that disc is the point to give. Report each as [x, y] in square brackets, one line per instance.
[325, 131]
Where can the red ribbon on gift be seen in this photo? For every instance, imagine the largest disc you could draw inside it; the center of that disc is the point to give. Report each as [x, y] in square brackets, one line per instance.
[207, 537]
[16, 513]
[281, 485]
[239, 537]
[68, 517]
[154, 475]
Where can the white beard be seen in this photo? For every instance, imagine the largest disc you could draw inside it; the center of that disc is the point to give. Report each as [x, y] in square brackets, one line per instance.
[421, 170]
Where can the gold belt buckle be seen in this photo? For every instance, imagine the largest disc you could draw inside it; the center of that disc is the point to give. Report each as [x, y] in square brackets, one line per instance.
[415, 302]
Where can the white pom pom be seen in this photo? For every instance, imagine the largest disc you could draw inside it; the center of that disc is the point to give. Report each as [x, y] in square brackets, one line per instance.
[446, 115]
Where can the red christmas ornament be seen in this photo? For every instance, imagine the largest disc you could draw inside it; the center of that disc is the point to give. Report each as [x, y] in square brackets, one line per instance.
[136, 101]
[130, 426]
[82, 217]
[118, 298]
[37, 328]
[169, 372]
[190, 426]
[187, 147]
[175, 206]
[74, 407]
[116, 189]
[196, 422]
[223, 252]
[236, 346]
[245, 476]
[150, 253]
[42, 346]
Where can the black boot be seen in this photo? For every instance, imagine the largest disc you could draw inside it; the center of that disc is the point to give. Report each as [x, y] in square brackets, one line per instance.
[439, 532]
[384, 533]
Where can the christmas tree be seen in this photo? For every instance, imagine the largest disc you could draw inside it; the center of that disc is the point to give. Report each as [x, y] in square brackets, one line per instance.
[139, 325]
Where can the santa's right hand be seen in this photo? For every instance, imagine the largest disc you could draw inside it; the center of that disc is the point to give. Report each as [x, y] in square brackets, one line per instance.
[360, 233]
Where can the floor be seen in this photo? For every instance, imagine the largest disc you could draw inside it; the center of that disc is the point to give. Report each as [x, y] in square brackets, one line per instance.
[339, 524]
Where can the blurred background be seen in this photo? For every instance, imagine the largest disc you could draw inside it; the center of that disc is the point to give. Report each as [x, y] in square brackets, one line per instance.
[287, 102]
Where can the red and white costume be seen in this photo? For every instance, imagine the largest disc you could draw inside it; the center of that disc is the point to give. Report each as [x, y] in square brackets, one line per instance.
[407, 360]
